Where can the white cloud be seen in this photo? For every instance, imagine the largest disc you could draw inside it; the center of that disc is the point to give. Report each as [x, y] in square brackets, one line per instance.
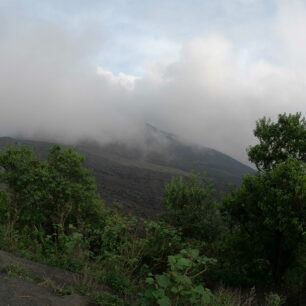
[209, 89]
[123, 80]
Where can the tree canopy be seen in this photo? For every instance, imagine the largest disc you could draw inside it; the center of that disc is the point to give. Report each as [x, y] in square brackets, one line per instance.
[279, 140]
[268, 210]
[45, 193]
[190, 204]
[268, 213]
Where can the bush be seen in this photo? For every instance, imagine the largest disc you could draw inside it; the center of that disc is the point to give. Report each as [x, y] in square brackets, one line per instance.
[180, 284]
[190, 205]
[48, 195]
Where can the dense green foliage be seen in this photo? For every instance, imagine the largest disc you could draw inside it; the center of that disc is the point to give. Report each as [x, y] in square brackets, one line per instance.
[48, 195]
[268, 214]
[255, 236]
[191, 205]
[180, 282]
[279, 140]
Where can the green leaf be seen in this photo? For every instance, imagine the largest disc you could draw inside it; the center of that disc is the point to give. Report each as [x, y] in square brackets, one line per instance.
[164, 301]
[171, 260]
[199, 289]
[163, 281]
[194, 253]
[175, 289]
[184, 263]
[159, 293]
[149, 280]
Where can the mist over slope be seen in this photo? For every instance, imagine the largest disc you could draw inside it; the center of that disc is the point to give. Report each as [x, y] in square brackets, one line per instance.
[135, 172]
[68, 71]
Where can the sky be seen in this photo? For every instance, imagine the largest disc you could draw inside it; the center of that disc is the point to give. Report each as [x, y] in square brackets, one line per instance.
[204, 70]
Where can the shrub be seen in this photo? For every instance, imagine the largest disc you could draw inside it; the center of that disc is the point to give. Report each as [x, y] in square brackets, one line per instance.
[190, 205]
[180, 284]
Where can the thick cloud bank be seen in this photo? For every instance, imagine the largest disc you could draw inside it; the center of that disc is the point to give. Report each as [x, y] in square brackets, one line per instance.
[211, 92]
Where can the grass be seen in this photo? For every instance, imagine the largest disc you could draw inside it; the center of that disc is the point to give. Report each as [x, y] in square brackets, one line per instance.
[15, 270]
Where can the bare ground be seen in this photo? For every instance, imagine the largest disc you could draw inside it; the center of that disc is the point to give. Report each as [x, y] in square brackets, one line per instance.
[26, 283]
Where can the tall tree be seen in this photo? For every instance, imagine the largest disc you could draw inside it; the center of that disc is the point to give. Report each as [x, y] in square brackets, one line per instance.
[268, 213]
[48, 194]
[268, 210]
[279, 141]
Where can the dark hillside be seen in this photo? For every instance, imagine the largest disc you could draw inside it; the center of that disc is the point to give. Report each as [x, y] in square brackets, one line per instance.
[135, 174]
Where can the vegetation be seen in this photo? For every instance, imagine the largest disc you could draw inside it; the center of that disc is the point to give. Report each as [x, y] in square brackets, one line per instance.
[201, 250]
[278, 141]
[268, 214]
[191, 205]
[181, 281]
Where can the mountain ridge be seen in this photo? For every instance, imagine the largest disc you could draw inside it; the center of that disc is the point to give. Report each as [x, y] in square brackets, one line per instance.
[134, 173]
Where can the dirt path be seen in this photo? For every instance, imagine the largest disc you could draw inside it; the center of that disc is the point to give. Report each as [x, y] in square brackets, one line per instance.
[26, 283]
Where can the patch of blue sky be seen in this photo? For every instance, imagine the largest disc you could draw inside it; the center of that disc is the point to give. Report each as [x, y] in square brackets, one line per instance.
[137, 32]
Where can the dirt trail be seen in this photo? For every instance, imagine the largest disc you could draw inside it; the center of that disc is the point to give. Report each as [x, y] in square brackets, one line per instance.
[26, 283]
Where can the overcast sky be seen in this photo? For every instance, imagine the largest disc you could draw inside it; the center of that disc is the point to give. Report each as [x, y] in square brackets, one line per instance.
[204, 70]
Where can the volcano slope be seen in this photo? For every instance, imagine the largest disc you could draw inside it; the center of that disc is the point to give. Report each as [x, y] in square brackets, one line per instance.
[133, 174]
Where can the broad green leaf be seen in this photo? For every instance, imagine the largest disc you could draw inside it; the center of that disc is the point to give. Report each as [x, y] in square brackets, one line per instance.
[149, 280]
[164, 301]
[163, 281]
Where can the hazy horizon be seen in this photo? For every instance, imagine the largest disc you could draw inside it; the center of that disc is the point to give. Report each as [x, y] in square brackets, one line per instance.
[203, 70]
